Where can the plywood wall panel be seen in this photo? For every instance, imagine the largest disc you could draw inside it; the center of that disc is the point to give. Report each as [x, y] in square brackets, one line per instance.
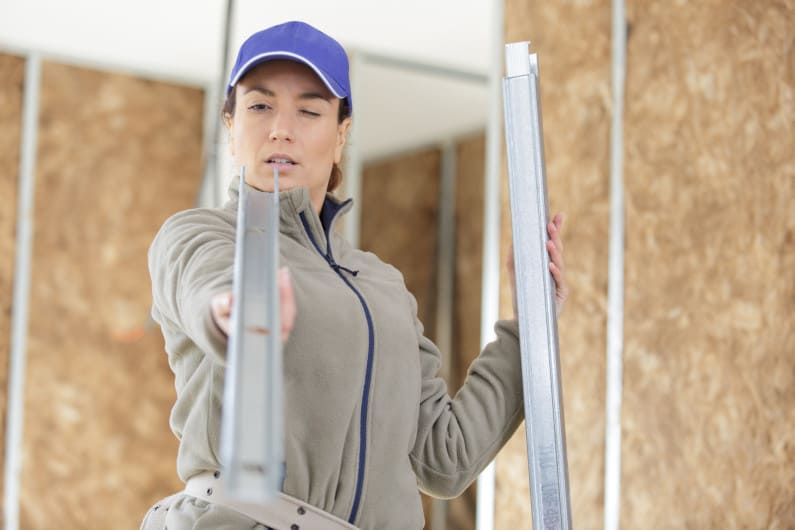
[116, 156]
[12, 76]
[400, 198]
[709, 393]
[572, 40]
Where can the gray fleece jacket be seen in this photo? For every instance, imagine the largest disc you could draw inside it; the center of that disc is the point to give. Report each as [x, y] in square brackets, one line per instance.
[368, 421]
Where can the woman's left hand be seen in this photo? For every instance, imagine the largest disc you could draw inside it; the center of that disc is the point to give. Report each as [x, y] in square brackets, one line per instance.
[556, 265]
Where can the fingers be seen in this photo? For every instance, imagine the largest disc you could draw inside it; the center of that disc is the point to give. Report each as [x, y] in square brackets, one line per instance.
[554, 228]
[557, 265]
[287, 299]
[556, 253]
[221, 308]
[561, 285]
[558, 219]
[555, 243]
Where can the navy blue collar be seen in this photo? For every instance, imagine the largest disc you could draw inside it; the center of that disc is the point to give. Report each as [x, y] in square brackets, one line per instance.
[329, 211]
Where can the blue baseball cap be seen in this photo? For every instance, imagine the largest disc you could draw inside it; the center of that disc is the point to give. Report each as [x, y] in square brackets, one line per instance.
[299, 42]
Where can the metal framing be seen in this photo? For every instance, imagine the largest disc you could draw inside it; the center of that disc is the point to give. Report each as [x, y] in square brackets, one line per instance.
[252, 447]
[615, 283]
[210, 192]
[19, 317]
[445, 286]
[535, 292]
[445, 266]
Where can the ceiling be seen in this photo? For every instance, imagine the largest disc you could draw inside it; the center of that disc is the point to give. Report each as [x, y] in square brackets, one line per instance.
[397, 108]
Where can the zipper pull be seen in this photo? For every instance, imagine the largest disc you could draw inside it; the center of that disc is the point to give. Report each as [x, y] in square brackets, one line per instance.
[337, 267]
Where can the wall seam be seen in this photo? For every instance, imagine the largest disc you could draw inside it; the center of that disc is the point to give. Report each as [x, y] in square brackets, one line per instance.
[21, 293]
[615, 283]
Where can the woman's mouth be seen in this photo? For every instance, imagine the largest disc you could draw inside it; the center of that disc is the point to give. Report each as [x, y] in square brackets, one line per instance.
[280, 161]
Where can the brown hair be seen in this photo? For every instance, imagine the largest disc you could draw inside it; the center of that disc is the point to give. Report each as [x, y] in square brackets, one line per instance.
[228, 112]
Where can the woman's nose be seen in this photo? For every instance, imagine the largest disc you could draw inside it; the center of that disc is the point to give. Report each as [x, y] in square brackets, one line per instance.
[281, 128]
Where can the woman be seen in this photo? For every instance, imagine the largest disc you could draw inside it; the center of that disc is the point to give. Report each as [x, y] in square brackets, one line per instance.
[367, 418]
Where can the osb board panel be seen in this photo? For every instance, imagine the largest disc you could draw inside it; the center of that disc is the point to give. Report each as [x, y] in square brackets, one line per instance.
[12, 76]
[399, 202]
[572, 40]
[116, 156]
[709, 374]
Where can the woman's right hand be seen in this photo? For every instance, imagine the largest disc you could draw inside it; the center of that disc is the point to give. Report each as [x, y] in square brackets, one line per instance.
[221, 306]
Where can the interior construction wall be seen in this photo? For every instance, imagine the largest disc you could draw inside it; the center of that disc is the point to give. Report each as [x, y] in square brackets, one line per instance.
[12, 75]
[116, 156]
[709, 381]
[709, 171]
[399, 223]
[572, 40]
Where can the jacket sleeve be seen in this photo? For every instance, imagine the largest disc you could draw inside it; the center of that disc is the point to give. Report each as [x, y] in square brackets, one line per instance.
[457, 437]
[190, 261]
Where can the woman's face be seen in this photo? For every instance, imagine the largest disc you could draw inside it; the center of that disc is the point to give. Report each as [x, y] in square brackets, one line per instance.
[285, 117]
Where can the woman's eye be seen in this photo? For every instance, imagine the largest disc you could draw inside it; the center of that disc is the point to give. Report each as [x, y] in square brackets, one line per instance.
[258, 106]
[310, 113]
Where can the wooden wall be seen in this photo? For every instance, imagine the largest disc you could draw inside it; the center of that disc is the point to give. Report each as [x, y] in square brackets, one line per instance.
[709, 358]
[116, 155]
[709, 395]
[709, 383]
[12, 74]
[399, 222]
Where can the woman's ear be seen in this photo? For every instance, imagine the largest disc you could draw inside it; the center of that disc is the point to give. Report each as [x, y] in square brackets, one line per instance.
[229, 121]
[342, 136]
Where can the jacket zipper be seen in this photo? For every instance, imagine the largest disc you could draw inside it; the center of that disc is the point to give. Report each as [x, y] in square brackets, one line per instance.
[368, 371]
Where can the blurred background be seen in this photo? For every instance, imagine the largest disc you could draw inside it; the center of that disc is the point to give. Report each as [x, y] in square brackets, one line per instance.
[109, 124]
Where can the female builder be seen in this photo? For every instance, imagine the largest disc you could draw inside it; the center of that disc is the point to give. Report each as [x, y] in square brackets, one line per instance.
[367, 418]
